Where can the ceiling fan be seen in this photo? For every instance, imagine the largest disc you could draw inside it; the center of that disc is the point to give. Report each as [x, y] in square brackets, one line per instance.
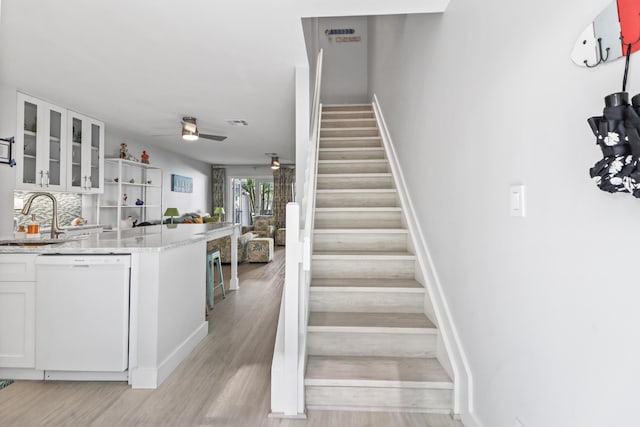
[190, 131]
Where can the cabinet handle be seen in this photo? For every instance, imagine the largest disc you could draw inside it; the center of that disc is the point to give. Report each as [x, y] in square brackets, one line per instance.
[47, 179]
[89, 186]
[41, 178]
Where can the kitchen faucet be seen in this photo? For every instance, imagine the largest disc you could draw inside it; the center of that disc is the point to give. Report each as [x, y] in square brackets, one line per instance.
[55, 230]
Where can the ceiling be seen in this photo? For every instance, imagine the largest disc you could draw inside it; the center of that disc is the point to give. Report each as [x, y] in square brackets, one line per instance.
[140, 66]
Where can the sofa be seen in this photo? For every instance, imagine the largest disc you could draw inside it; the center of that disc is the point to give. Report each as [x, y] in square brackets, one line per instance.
[263, 226]
[224, 246]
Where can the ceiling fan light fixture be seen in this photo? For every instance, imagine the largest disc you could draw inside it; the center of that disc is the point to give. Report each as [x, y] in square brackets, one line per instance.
[275, 163]
[191, 127]
[188, 135]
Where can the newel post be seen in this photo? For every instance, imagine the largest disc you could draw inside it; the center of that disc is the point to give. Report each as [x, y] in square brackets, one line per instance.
[291, 309]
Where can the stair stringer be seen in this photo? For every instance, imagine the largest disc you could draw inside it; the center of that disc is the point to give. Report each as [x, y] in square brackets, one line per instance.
[450, 352]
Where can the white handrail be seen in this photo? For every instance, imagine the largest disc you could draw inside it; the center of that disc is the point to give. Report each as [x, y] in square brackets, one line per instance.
[308, 201]
[289, 358]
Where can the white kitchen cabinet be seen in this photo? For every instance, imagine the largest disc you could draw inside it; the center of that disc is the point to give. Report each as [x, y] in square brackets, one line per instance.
[57, 149]
[40, 145]
[17, 310]
[127, 183]
[85, 171]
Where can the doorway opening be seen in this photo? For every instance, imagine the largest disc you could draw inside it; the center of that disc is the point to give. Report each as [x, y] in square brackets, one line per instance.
[252, 196]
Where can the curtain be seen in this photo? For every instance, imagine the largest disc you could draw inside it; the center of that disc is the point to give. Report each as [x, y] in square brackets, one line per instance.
[283, 180]
[217, 188]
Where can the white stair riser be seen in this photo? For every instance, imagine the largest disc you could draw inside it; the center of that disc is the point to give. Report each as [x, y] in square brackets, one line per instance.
[347, 132]
[347, 107]
[366, 302]
[355, 154]
[363, 269]
[332, 115]
[358, 219]
[353, 167]
[374, 242]
[378, 398]
[371, 344]
[354, 182]
[351, 143]
[347, 122]
[356, 199]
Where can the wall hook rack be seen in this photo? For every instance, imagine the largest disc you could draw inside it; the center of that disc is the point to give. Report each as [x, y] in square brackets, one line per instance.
[601, 59]
[6, 150]
[624, 43]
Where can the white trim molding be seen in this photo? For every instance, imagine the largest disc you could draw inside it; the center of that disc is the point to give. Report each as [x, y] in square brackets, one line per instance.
[463, 379]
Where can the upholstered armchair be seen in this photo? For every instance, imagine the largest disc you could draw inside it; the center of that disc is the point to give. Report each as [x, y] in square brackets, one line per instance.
[263, 226]
[223, 245]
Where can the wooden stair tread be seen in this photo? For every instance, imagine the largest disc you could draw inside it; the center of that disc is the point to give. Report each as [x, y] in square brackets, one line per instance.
[379, 255]
[361, 230]
[356, 175]
[417, 321]
[341, 149]
[348, 138]
[350, 128]
[366, 283]
[351, 119]
[347, 107]
[361, 209]
[357, 190]
[343, 161]
[376, 372]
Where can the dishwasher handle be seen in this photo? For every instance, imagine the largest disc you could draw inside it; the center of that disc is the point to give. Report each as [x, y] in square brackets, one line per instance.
[123, 261]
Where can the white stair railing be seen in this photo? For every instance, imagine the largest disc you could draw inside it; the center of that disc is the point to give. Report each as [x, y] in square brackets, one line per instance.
[290, 352]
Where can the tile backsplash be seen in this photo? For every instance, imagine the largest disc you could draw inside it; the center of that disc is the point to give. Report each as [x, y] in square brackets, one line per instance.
[69, 208]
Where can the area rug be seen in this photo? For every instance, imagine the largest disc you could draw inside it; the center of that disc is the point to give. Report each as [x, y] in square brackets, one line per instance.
[5, 383]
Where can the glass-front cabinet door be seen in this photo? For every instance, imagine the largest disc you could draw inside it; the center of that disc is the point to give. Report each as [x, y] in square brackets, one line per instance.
[86, 150]
[40, 145]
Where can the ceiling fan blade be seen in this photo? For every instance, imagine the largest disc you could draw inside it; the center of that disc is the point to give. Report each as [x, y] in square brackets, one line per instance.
[218, 138]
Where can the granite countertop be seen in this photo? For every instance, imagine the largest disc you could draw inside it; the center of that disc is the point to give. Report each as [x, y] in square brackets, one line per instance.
[140, 239]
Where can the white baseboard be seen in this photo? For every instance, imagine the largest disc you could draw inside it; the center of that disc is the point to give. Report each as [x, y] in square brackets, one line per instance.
[470, 420]
[302, 416]
[21, 374]
[85, 376]
[463, 380]
[172, 361]
[151, 378]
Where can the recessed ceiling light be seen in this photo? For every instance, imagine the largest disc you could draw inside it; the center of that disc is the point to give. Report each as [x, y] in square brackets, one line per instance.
[238, 122]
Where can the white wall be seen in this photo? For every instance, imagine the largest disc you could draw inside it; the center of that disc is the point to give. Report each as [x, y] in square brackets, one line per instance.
[171, 163]
[486, 96]
[344, 77]
[7, 174]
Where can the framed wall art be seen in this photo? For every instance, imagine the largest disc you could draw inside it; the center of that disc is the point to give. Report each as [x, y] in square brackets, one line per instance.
[181, 184]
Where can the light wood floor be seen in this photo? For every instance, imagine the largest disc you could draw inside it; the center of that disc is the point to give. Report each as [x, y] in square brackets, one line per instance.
[224, 382]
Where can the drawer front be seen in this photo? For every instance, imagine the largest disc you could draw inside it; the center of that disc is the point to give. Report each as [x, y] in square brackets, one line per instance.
[17, 267]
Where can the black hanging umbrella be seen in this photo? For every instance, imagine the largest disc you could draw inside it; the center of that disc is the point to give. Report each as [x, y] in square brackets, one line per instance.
[631, 172]
[611, 136]
[617, 133]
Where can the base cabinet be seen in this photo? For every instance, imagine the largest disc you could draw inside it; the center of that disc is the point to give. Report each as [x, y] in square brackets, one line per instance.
[17, 311]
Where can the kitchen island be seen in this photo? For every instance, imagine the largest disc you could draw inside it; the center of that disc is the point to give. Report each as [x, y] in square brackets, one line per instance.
[166, 294]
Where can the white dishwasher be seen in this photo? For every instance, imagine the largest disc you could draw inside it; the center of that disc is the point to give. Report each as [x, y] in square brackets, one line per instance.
[82, 315]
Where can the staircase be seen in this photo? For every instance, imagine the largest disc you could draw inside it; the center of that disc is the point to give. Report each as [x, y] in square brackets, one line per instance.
[369, 343]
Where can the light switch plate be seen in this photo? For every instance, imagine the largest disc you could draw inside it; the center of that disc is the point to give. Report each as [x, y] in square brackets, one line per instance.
[516, 200]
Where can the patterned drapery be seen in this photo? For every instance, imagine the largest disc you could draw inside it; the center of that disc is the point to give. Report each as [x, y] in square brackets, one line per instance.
[217, 188]
[283, 180]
